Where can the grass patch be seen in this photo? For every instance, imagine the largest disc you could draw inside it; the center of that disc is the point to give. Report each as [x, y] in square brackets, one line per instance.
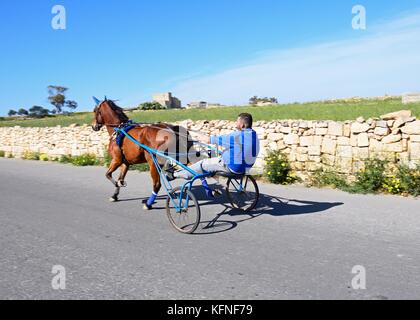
[375, 178]
[142, 167]
[30, 155]
[44, 157]
[277, 169]
[85, 160]
[328, 110]
[371, 179]
[322, 178]
[65, 159]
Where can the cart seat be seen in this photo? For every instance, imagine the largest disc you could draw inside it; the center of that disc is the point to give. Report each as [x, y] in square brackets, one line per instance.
[229, 175]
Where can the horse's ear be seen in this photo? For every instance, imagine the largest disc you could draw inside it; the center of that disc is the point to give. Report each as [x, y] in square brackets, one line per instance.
[105, 99]
[96, 100]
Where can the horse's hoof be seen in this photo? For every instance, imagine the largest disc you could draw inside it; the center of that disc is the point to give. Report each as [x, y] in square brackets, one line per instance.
[121, 184]
[147, 207]
[113, 199]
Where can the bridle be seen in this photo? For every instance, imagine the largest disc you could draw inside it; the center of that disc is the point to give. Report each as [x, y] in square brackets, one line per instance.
[100, 125]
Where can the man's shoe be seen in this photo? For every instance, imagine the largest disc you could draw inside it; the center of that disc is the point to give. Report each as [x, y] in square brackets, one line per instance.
[170, 174]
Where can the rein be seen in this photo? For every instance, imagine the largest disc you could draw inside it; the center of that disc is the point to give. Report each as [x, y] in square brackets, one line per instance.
[153, 126]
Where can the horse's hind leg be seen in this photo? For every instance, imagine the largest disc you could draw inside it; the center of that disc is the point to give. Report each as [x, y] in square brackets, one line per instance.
[112, 168]
[156, 186]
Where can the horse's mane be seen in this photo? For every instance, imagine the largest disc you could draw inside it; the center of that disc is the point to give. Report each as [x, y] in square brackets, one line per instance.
[118, 110]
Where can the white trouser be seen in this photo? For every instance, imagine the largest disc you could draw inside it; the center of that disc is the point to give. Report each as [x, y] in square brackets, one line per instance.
[212, 165]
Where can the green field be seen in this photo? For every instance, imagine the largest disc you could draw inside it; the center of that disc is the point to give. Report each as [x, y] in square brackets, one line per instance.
[341, 110]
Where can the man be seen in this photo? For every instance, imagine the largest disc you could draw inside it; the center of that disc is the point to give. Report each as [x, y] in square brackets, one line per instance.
[241, 151]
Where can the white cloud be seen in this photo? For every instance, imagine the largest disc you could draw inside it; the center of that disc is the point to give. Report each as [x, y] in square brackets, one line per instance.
[385, 59]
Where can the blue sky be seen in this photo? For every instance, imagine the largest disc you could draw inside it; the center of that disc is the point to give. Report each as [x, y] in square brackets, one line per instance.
[217, 50]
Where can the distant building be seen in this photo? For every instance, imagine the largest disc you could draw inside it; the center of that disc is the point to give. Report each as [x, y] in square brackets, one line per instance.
[265, 104]
[197, 105]
[411, 98]
[167, 100]
[204, 105]
[214, 105]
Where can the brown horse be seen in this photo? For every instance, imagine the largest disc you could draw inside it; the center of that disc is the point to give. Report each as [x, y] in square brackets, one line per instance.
[162, 137]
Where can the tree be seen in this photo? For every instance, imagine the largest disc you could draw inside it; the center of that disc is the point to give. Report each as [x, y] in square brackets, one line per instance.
[12, 113]
[151, 106]
[255, 100]
[23, 112]
[71, 104]
[57, 97]
[38, 112]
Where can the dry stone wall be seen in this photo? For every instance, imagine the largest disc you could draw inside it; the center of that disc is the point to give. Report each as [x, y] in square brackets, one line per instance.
[53, 141]
[309, 145]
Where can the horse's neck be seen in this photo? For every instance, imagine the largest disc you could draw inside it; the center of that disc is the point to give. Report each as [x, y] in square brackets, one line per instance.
[110, 130]
[112, 122]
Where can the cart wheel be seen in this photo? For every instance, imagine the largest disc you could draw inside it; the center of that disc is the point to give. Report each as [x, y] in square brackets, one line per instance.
[243, 193]
[187, 219]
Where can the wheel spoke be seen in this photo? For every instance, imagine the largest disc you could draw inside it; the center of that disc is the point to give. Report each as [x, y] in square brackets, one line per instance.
[188, 219]
[239, 195]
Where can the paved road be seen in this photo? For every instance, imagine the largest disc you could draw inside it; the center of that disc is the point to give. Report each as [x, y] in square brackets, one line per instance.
[300, 243]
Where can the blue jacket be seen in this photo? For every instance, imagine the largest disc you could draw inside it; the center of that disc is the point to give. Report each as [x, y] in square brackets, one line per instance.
[242, 148]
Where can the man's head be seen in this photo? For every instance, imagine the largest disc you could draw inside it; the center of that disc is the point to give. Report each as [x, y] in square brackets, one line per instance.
[244, 121]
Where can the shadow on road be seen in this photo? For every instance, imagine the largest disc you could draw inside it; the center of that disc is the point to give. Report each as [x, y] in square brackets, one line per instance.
[229, 218]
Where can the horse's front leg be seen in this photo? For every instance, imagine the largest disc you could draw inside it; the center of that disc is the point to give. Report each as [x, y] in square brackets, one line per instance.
[156, 186]
[112, 168]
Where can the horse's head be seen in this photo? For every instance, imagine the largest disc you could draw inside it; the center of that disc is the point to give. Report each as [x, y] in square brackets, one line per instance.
[107, 113]
[98, 121]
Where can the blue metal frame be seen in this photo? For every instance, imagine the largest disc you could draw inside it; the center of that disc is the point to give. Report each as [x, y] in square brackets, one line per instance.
[187, 186]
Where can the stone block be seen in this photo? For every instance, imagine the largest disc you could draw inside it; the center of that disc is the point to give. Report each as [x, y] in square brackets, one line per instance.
[393, 147]
[328, 159]
[343, 141]
[361, 153]
[363, 140]
[403, 114]
[291, 139]
[357, 127]
[381, 124]
[415, 138]
[286, 130]
[414, 148]
[381, 131]
[347, 130]
[391, 138]
[316, 159]
[313, 166]
[264, 143]
[302, 157]
[335, 129]
[412, 128]
[344, 152]
[275, 137]
[321, 124]
[273, 146]
[329, 146]
[344, 165]
[321, 131]
[314, 150]
[281, 145]
[306, 141]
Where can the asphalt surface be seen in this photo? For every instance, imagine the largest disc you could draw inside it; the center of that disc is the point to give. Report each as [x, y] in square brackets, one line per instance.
[299, 244]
